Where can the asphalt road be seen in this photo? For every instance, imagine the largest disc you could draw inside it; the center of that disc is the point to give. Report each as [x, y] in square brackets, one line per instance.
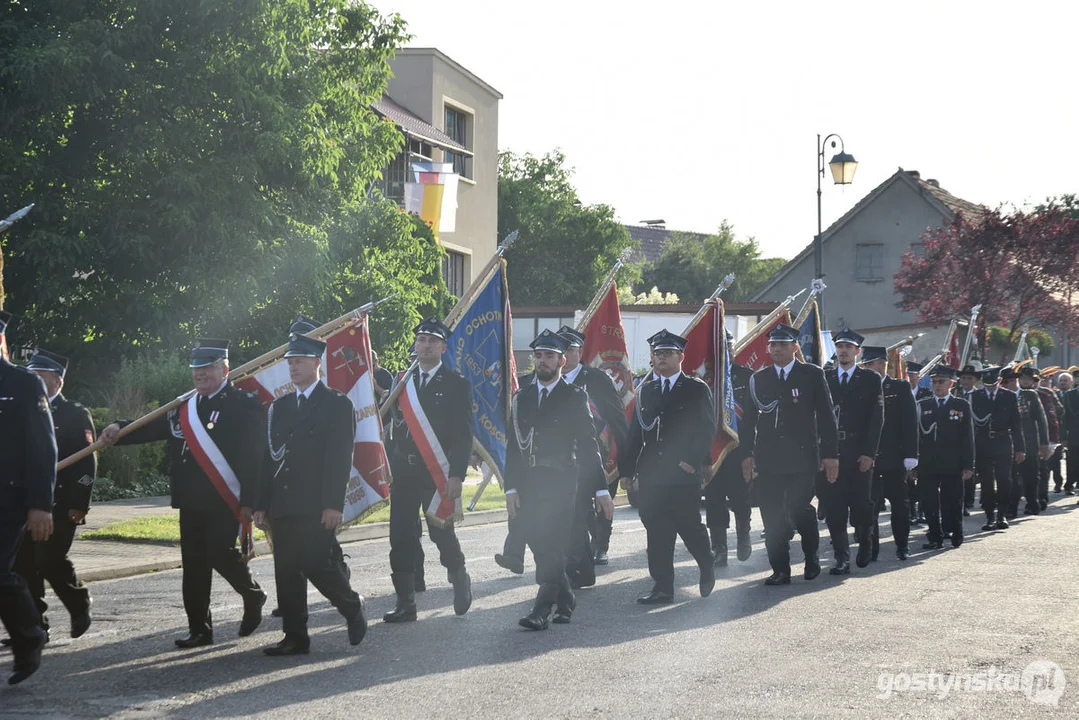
[946, 634]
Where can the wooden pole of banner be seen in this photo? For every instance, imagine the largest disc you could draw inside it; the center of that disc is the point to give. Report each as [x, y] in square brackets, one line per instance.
[943, 349]
[756, 331]
[1018, 348]
[816, 288]
[603, 288]
[727, 281]
[242, 372]
[488, 473]
[455, 314]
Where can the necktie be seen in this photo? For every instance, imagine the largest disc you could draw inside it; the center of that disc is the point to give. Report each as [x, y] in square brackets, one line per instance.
[940, 402]
[666, 385]
[300, 400]
[782, 375]
[843, 380]
[543, 396]
[423, 381]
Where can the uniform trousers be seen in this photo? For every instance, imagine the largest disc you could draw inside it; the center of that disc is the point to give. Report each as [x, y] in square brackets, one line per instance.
[786, 499]
[669, 511]
[305, 550]
[208, 543]
[48, 560]
[848, 499]
[892, 484]
[17, 611]
[994, 474]
[546, 518]
[411, 491]
[1028, 485]
[727, 493]
[942, 496]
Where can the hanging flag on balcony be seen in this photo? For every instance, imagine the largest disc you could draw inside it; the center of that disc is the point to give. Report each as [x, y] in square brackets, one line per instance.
[433, 196]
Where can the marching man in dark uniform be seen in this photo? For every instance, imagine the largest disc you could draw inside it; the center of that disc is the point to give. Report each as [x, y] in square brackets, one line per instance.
[914, 369]
[946, 458]
[607, 412]
[437, 413]
[215, 448]
[675, 424]
[998, 444]
[859, 410]
[27, 477]
[1053, 412]
[1036, 434]
[968, 377]
[312, 435]
[789, 425]
[897, 453]
[550, 452]
[729, 492]
[38, 562]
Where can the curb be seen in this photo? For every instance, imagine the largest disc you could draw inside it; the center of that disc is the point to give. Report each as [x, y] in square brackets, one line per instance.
[358, 533]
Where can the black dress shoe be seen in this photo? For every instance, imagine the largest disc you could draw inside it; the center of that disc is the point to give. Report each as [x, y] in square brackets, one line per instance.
[27, 661]
[932, 546]
[357, 626]
[194, 640]
[656, 597]
[288, 646]
[708, 579]
[778, 579]
[513, 564]
[1069, 492]
[1002, 524]
[841, 567]
[252, 614]
[865, 552]
[601, 558]
[989, 526]
[966, 513]
[276, 612]
[1043, 504]
[745, 548]
[812, 568]
[902, 553]
[562, 616]
[957, 541]
[580, 580]
[533, 621]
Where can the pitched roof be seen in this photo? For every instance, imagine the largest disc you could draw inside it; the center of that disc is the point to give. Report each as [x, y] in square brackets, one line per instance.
[653, 240]
[411, 123]
[949, 205]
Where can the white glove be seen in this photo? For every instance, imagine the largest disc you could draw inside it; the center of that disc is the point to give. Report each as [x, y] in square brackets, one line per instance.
[910, 463]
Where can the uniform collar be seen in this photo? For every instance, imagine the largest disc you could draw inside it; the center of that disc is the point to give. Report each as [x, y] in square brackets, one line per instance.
[786, 368]
[673, 378]
[540, 387]
[430, 373]
[307, 393]
[571, 376]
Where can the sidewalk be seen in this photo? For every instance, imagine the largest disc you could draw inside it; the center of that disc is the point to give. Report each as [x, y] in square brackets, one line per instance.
[107, 560]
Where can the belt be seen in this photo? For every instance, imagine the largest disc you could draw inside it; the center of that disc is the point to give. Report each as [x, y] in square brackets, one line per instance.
[414, 459]
[845, 435]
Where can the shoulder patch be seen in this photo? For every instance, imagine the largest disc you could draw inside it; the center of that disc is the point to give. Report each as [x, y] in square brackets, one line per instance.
[43, 404]
[86, 481]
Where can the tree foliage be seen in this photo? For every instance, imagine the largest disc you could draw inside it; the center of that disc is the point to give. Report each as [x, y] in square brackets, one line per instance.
[198, 168]
[692, 267]
[1019, 266]
[565, 248]
[626, 296]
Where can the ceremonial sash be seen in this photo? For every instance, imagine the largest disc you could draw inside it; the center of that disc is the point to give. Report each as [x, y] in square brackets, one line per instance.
[442, 509]
[215, 466]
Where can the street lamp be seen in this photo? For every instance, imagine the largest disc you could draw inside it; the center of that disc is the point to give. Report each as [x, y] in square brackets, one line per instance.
[842, 166]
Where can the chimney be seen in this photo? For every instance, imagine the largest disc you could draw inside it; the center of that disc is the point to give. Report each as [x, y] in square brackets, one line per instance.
[914, 174]
[934, 183]
[657, 224]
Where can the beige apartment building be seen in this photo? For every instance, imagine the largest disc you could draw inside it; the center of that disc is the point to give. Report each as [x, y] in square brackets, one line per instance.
[448, 114]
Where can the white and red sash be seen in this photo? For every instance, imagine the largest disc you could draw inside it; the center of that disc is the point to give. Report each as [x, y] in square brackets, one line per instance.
[214, 465]
[442, 509]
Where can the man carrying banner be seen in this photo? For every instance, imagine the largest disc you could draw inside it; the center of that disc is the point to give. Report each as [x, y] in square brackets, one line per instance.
[38, 562]
[675, 425]
[790, 428]
[429, 452]
[551, 451]
[608, 415]
[214, 442]
[729, 492]
[897, 454]
[311, 436]
[27, 477]
[859, 411]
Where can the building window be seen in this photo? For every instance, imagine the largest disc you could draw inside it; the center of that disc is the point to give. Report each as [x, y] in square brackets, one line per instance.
[869, 262]
[457, 129]
[453, 272]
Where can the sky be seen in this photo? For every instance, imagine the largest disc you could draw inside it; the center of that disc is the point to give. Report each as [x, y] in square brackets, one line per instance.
[698, 112]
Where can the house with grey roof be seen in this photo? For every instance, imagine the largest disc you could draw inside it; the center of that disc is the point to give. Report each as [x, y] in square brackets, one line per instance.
[862, 253]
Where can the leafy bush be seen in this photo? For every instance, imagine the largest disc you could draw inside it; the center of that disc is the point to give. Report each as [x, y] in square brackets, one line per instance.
[154, 485]
[999, 337]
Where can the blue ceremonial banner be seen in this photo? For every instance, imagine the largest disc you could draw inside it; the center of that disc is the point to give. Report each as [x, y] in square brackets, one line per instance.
[809, 337]
[481, 349]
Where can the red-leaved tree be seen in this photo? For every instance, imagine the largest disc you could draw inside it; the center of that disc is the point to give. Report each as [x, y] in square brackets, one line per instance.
[1019, 266]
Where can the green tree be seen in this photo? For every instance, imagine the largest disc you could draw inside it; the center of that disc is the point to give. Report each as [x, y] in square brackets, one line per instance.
[626, 296]
[692, 267]
[195, 164]
[565, 248]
